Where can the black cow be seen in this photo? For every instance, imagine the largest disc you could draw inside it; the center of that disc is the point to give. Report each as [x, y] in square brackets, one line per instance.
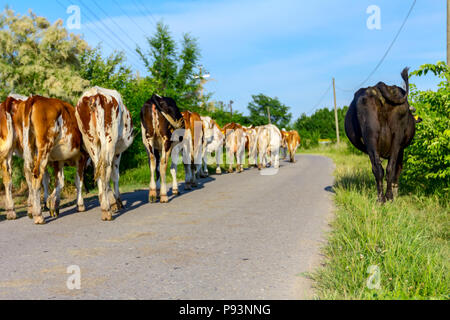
[380, 123]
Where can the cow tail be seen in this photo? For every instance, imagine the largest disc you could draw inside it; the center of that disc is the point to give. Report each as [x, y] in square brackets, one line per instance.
[8, 141]
[100, 168]
[27, 152]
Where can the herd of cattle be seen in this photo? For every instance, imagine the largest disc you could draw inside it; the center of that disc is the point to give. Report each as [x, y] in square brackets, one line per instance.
[46, 131]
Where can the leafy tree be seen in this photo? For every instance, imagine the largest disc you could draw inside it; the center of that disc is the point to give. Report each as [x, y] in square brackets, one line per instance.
[427, 159]
[37, 57]
[320, 125]
[222, 116]
[279, 113]
[173, 72]
[108, 73]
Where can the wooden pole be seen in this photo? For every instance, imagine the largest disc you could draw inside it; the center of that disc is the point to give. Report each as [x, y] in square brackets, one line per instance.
[268, 115]
[231, 108]
[336, 114]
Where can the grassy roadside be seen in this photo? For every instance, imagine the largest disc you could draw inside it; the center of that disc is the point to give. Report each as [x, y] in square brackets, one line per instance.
[407, 240]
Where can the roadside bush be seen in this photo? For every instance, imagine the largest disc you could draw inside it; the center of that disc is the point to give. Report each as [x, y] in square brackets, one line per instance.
[427, 159]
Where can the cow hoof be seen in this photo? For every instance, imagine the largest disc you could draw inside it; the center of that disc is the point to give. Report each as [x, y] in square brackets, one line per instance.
[81, 208]
[194, 184]
[11, 215]
[175, 192]
[395, 190]
[39, 220]
[230, 170]
[187, 186]
[119, 204]
[218, 171]
[54, 213]
[106, 215]
[30, 212]
[381, 200]
[45, 208]
[114, 208]
[152, 196]
[164, 199]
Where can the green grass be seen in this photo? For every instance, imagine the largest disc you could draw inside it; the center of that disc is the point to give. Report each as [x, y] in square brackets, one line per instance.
[408, 239]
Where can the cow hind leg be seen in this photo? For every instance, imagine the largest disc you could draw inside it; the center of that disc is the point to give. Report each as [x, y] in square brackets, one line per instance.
[7, 181]
[391, 172]
[79, 182]
[55, 199]
[36, 181]
[115, 175]
[398, 170]
[46, 184]
[152, 187]
[378, 172]
[163, 168]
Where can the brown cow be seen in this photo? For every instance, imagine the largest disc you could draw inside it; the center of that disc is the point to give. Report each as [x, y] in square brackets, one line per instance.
[292, 140]
[50, 134]
[107, 130]
[11, 143]
[193, 147]
[160, 118]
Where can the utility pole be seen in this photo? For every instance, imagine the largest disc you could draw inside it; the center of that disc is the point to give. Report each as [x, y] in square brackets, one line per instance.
[268, 114]
[231, 108]
[335, 112]
[448, 32]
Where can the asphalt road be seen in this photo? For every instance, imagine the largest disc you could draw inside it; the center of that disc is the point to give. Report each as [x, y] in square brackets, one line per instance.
[237, 236]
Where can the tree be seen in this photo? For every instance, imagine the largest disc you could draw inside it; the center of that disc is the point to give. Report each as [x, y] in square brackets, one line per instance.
[279, 113]
[108, 73]
[173, 73]
[320, 125]
[427, 159]
[37, 57]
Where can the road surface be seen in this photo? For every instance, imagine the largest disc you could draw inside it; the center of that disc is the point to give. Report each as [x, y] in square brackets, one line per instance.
[237, 236]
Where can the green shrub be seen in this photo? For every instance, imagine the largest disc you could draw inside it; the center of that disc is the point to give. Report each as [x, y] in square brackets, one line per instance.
[427, 159]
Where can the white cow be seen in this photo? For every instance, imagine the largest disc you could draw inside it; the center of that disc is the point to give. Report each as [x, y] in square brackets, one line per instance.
[213, 142]
[269, 143]
[235, 145]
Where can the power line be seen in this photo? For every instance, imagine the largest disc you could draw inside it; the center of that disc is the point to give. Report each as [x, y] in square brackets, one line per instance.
[131, 19]
[320, 100]
[112, 47]
[385, 54]
[142, 5]
[115, 23]
[120, 41]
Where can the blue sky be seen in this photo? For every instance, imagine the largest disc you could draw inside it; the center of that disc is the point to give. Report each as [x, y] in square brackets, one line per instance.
[290, 49]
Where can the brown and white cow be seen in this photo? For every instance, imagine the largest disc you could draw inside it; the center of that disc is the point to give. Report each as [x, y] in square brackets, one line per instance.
[251, 144]
[50, 134]
[193, 138]
[107, 130]
[11, 143]
[235, 145]
[213, 142]
[160, 120]
[7, 142]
